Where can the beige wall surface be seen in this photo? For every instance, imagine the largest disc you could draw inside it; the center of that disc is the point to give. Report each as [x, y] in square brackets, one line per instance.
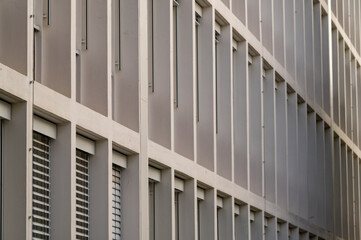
[264, 136]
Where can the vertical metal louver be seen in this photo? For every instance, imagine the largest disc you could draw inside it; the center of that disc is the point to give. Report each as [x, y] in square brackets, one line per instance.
[41, 187]
[82, 195]
[117, 193]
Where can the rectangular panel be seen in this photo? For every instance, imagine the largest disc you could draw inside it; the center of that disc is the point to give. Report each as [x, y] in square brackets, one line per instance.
[269, 109]
[326, 65]
[300, 41]
[205, 89]
[159, 94]
[85, 144]
[94, 44]
[125, 84]
[186, 60]
[240, 129]
[44, 127]
[267, 24]
[279, 30]
[293, 117]
[56, 45]
[223, 102]
[311, 27]
[317, 52]
[255, 125]
[290, 37]
[312, 172]
[338, 187]
[119, 159]
[335, 77]
[342, 85]
[344, 193]
[253, 14]
[281, 143]
[5, 110]
[13, 44]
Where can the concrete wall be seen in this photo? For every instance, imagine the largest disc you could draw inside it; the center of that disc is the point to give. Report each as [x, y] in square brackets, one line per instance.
[284, 145]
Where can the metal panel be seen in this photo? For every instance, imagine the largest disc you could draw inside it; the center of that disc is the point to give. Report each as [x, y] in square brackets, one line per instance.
[179, 184]
[5, 110]
[200, 193]
[44, 127]
[85, 144]
[154, 174]
[119, 159]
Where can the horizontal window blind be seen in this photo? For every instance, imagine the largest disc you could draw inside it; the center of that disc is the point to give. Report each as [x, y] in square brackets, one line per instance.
[82, 195]
[41, 187]
[1, 180]
[117, 194]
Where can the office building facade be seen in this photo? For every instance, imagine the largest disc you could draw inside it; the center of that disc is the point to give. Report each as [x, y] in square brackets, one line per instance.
[180, 119]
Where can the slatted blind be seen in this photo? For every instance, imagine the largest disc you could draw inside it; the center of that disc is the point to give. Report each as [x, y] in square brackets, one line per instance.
[152, 210]
[1, 180]
[82, 195]
[117, 193]
[41, 187]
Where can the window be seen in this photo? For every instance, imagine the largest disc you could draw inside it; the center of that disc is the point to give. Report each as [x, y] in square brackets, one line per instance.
[218, 223]
[199, 217]
[82, 195]
[119, 163]
[176, 217]
[154, 178]
[236, 220]
[41, 186]
[151, 210]
[200, 198]
[117, 193]
[178, 189]
[5, 113]
[1, 181]
[219, 209]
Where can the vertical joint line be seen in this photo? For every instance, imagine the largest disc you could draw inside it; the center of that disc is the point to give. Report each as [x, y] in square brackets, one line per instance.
[197, 64]
[119, 38]
[176, 54]
[86, 24]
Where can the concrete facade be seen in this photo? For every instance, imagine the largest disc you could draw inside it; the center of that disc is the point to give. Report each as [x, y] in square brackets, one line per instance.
[226, 119]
